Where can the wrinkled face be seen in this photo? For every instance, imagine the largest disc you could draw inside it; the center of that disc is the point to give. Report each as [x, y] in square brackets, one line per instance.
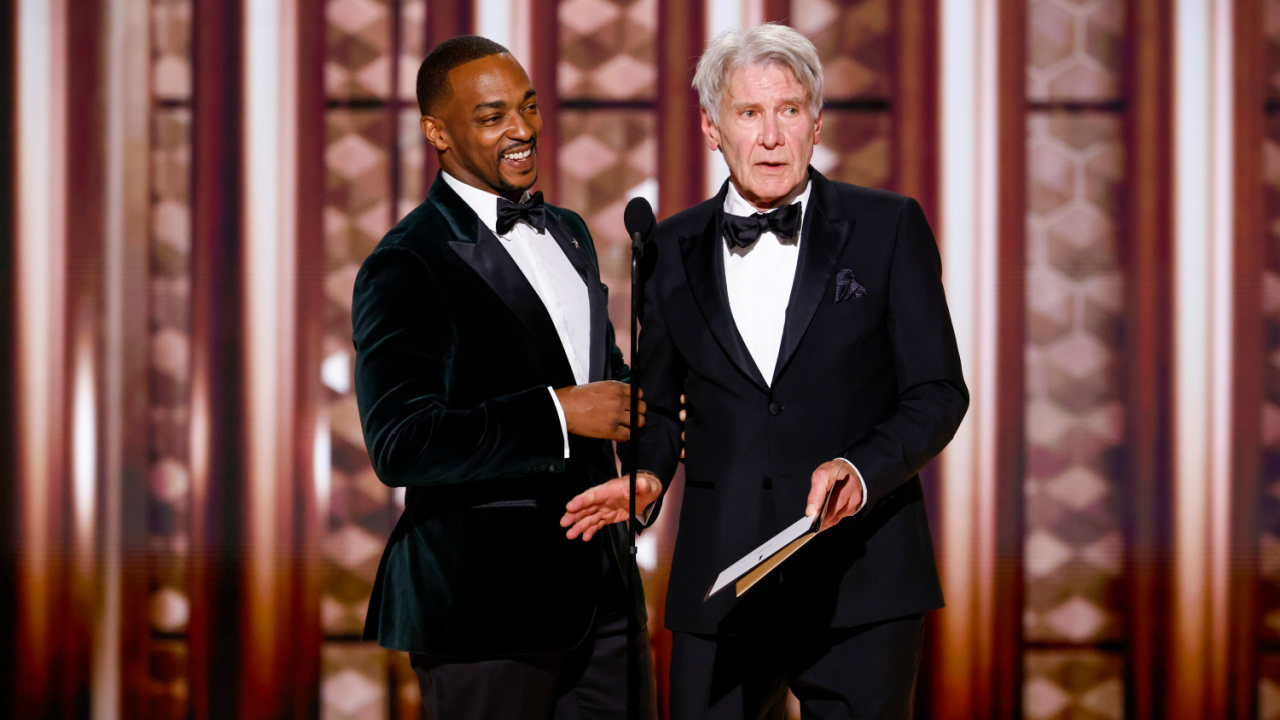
[766, 133]
[486, 131]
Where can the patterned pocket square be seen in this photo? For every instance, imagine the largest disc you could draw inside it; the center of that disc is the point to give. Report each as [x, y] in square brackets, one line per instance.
[848, 287]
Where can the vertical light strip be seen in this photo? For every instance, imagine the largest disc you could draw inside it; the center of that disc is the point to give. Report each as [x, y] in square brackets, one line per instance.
[124, 240]
[505, 22]
[494, 21]
[522, 41]
[40, 247]
[1203, 314]
[322, 462]
[104, 673]
[728, 14]
[84, 443]
[969, 162]
[268, 250]
[725, 15]
[1222, 137]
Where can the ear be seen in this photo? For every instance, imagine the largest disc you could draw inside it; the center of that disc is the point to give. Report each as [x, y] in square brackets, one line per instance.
[817, 129]
[711, 132]
[435, 133]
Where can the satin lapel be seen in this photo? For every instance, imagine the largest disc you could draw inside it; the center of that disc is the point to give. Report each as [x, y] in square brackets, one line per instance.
[704, 269]
[481, 249]
[822, 241]
[575, 248]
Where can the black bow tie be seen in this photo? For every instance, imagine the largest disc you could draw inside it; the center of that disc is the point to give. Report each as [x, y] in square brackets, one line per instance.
[743, 231]
[531, 211]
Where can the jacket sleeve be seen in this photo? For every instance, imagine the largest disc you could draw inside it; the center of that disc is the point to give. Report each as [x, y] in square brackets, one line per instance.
[405, 344]
[932, 397]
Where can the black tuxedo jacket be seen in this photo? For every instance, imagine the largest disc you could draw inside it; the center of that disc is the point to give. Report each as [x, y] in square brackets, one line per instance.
[874, 377]
[454, 353]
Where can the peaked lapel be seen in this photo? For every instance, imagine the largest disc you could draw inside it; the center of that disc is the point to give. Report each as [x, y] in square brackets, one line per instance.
[704, 270]
[481, 250]
[825, 232]
[576, 249]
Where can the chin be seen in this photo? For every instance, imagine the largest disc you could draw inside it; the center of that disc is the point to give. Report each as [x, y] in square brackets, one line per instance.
[773, 189]
[520, 182]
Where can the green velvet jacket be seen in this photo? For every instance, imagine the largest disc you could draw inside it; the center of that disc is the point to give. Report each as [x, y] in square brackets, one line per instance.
[454, 354]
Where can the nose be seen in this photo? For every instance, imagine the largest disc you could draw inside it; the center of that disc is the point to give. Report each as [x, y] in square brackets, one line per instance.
[521, 129]
[770, 132]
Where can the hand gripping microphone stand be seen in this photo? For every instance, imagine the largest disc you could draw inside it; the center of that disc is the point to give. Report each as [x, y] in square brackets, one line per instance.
[640, 222]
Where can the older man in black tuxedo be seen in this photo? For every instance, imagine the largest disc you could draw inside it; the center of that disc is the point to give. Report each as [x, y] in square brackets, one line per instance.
[490, 386]
[806, 323]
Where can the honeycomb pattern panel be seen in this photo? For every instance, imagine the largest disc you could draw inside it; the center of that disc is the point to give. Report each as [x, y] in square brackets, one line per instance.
[1269, 501]
[413, 48]
[357, 213]
[1072, 685]
[1271, 18]
[167, 692]
[1075, 50]
[607, 158]
[1269, 686]
[407, 701]
[607, 49]
[1074, 544]
[353, 682]
[171, 50]
[412, 185]
[359, 52]
[169, 369]
[855, 41]
[855, 147]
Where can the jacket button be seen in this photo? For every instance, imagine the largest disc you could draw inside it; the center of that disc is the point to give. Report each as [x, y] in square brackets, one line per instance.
[768, 482]
[775, 408]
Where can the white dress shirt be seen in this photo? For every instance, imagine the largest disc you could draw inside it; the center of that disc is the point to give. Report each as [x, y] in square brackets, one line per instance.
[759, 278]
[553, 277]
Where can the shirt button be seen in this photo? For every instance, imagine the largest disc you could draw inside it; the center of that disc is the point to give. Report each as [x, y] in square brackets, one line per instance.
[775, 408]
[768, 482]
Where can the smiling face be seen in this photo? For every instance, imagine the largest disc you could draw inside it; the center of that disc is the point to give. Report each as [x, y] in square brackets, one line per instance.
[766, 134]
[486, 130]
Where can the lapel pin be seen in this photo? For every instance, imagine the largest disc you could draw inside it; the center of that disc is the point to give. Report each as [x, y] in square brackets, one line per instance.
[576, 246]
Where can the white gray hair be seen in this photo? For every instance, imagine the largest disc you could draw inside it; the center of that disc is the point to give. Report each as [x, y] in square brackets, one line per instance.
[769, 44]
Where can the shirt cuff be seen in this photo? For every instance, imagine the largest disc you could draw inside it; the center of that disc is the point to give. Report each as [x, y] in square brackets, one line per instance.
[643, 517]
[564, 426]
[854, 469]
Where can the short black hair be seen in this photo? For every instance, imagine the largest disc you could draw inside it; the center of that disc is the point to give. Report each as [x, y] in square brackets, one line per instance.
[433, 74]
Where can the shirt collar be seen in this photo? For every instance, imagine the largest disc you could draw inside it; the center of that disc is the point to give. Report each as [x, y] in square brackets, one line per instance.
[482, 202]
[735, 204]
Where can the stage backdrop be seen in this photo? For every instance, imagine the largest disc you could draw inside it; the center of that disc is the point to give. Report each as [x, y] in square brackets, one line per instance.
[192, 527]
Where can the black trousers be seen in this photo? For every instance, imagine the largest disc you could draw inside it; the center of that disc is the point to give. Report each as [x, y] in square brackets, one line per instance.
[862, 672]
[587, 682]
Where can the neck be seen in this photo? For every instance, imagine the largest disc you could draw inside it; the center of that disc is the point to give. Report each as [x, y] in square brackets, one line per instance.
[515, 195]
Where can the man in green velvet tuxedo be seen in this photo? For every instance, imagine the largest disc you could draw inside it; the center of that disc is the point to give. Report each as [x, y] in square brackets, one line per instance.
[490, 386]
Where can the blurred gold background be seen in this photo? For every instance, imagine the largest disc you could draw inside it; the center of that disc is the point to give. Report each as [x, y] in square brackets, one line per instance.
[191, 526]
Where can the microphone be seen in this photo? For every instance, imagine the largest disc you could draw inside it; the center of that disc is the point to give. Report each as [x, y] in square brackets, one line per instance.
[640, 222]
[638, 217]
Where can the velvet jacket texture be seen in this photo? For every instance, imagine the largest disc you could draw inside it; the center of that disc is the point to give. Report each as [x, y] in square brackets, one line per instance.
[454, 354]
[868, 370]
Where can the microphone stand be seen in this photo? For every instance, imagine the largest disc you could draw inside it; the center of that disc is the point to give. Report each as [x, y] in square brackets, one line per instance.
[633, 654]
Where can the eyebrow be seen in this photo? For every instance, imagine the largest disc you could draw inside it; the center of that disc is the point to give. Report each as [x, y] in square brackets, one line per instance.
[500, 104]
[784, 101]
